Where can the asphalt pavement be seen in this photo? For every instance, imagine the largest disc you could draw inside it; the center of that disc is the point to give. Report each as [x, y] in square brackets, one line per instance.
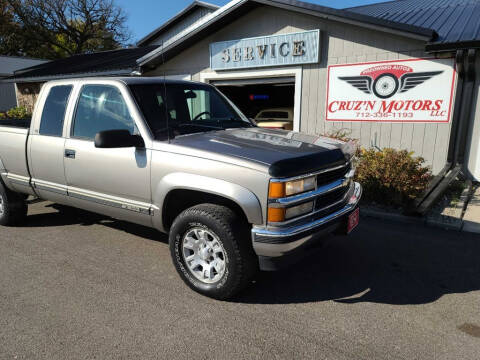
[74, 285]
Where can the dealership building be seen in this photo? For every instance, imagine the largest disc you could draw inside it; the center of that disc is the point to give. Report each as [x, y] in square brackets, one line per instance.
[401, 74]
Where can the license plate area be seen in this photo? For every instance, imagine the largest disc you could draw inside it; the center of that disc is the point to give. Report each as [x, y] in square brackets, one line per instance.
[353, 220]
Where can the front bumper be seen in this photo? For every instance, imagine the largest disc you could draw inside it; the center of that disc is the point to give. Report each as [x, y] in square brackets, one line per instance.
[280, 247]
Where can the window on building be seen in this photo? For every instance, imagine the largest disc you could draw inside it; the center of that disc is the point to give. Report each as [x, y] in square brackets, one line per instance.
[53, 113]
[100, 108]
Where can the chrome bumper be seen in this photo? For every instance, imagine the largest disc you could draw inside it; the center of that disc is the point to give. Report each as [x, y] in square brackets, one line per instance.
[276, 243]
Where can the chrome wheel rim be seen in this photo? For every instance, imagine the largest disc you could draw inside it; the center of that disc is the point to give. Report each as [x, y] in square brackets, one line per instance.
[204, 255]
[385, 86]
[1, 206]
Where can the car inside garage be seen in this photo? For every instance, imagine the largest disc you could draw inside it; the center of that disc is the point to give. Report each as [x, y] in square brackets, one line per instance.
[274, 97]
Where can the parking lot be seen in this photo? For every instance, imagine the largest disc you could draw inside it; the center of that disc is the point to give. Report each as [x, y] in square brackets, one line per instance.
[76, 285]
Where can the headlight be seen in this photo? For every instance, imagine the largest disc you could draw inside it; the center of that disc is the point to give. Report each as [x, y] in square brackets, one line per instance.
[289, 188]
[282, 189]
[298, 210]
[299, 186]
[278, 214]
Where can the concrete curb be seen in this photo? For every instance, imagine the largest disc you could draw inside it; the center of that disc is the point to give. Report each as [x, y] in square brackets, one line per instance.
[457, 225]
[382, 215]
[471, 219]
[470, 222]
[471, 227]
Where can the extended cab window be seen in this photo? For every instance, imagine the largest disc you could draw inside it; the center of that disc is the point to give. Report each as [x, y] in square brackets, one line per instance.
[53, 113]
[100, 108]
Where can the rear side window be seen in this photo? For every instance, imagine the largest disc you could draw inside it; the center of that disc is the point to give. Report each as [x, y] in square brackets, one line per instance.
[51, 123]
[99, 108]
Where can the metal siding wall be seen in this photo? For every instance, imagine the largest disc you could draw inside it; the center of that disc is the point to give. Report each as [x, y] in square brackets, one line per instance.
[347, 46]
[341, 43]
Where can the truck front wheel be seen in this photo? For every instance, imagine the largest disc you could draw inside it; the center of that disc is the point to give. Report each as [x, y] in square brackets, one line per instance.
[13, 207]
[211, 250]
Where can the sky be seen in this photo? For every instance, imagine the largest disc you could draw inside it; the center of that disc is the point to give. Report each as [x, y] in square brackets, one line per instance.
[146, 15]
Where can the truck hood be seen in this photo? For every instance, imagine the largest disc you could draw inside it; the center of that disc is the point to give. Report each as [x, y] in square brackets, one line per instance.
[286, 153]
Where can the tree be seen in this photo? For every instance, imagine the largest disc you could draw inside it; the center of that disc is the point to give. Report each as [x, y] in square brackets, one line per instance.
[59, 28]
[9, 30]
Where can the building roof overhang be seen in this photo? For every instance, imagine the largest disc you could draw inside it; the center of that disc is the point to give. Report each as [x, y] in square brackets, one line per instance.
[236, 8]
[137, 60]
[175, 20]
[452, 46]
[113, 62]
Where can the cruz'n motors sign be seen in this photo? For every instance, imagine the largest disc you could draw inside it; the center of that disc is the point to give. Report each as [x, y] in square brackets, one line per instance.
[276, 50]
[413, 90]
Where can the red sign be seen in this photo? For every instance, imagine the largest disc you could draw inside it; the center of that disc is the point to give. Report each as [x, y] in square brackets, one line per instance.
[413, 90]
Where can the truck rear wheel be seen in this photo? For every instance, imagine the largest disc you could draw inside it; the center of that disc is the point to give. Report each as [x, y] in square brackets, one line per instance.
[13, 207]
[211, 250]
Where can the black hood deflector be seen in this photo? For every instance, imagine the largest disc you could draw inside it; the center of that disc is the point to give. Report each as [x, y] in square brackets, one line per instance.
[308, 163]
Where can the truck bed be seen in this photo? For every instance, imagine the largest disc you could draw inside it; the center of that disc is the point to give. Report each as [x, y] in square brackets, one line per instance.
[13, 156]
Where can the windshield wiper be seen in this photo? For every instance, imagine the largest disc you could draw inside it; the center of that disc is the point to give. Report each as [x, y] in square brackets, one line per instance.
[232, 120]
[202, 125]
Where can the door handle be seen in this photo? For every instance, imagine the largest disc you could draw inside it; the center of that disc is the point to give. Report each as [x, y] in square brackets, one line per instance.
[70, 154]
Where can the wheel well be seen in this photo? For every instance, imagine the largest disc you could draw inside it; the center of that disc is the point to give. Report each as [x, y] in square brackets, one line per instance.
[179, 200]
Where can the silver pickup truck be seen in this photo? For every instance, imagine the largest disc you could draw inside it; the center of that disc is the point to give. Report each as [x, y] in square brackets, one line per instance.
[181, 158]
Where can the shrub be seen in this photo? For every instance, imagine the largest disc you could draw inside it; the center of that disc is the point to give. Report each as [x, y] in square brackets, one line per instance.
[341, 134]
[2, 116]
[392, 177]
[345, 136]
[19, 112]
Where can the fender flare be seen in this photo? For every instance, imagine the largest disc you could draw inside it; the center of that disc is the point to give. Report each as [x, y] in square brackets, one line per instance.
[243, 197]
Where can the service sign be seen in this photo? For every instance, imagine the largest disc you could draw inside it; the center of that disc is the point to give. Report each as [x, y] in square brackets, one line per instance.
[276, 50]
[413, 90]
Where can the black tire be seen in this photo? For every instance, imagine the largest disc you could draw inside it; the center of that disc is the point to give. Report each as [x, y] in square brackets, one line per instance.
[13, 205]
[392, 92]
[234, 235]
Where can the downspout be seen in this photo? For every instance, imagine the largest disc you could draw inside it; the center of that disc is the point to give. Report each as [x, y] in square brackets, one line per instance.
[459, 61]
[458, 137]
[461, 150]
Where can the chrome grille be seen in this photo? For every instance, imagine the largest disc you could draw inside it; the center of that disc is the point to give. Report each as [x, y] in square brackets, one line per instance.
[330, 176]
[330, 210]
[329, 195]
[330, 198]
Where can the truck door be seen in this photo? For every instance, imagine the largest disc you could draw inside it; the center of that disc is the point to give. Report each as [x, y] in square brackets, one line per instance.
[115, 182]
[46, 144]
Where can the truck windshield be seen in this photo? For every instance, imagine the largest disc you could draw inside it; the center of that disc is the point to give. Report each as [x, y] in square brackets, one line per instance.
[183, 108]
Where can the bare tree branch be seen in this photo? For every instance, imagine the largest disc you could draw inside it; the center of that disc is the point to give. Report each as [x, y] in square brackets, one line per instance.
[66, 27]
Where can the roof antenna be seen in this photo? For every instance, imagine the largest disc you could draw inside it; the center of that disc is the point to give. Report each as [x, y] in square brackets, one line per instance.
[165, 94]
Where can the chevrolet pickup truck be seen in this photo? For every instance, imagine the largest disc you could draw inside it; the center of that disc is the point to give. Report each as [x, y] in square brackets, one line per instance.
[181, 158]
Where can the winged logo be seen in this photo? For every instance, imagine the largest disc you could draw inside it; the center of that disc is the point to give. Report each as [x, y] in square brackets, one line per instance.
[386, 80]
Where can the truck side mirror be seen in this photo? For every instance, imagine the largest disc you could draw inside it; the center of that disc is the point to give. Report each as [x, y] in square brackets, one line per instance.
[118, 139]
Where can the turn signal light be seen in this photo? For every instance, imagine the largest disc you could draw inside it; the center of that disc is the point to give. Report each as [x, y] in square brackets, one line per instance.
[276, 190]
[276, 214]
